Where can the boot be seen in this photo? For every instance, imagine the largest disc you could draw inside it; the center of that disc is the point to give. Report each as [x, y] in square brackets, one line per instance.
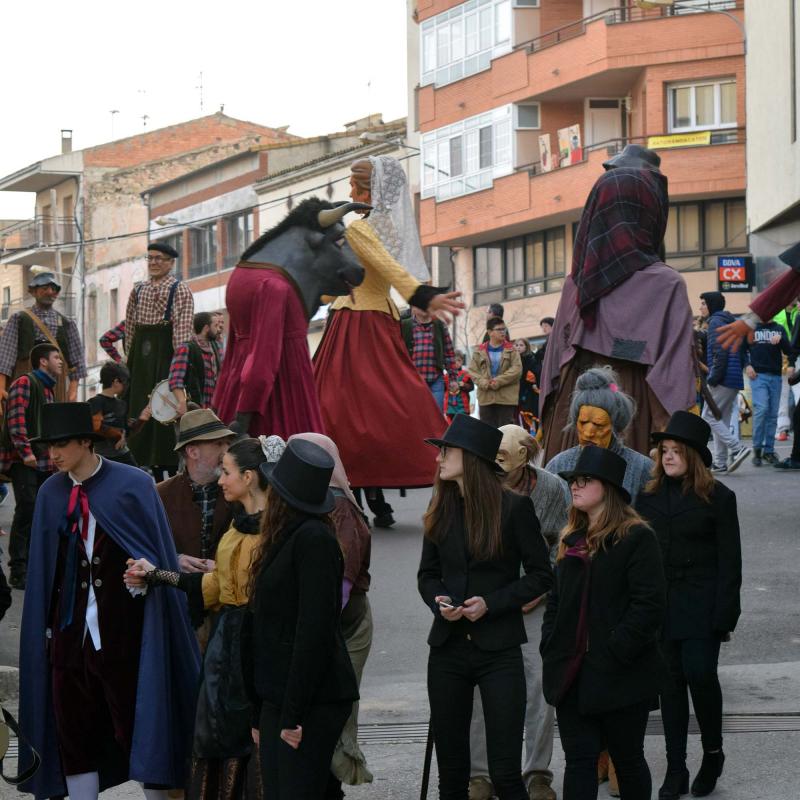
[710, 770]
[757, 457]
[676, 783]
[480, 788]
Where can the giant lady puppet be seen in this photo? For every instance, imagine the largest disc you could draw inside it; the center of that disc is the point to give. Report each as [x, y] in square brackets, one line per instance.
[622, 306]
[375, 406]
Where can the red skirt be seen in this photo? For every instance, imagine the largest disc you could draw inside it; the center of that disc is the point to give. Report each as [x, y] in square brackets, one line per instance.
[375, 406]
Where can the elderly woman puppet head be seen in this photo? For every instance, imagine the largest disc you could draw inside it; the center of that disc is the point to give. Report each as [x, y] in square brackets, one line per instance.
[518, 449]
[599, 409]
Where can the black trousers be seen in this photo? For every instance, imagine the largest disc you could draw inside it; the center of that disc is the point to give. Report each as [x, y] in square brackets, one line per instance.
[26, 482]
[693, 667]
[796, 428]
[454, 669]
[585, 736]
[498, 415]
[301, 774]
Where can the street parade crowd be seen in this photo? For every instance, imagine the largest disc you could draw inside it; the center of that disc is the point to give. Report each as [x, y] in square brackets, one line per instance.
[195, 553]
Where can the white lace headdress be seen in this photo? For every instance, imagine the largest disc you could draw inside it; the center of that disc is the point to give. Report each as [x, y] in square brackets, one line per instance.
[392, 216]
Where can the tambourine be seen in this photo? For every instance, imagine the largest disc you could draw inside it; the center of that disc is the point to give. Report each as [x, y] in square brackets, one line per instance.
[163, 404]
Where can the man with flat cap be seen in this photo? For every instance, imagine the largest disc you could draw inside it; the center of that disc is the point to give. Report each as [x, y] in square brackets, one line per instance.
[158, 320]
[42, 324]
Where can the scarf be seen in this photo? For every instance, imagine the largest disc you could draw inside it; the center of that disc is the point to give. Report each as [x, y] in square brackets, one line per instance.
[76, 523]
[45, 378]
[621, 232]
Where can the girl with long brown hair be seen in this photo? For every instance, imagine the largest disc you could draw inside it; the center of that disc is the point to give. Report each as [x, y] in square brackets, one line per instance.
[478, 538]
[697, 526]
[599, 636]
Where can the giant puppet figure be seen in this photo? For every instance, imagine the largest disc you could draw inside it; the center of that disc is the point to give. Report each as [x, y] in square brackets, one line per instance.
[375, 406]
[266, 385]
[622, 306]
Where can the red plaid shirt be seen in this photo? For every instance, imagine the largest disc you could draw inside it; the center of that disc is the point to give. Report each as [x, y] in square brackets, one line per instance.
[116, 334]
[148, 302]
[424, 357]
[19, 397]
[180, 365]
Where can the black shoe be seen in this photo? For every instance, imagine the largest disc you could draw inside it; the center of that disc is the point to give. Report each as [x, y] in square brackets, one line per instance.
[757, 462]
[676, 783]
[770, 458]
[17, 582]
[718, 469]
[384, 521]
[787, 463]
[710, 770]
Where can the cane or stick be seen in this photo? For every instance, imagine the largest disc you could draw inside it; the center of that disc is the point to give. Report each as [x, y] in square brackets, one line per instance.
[426, 769]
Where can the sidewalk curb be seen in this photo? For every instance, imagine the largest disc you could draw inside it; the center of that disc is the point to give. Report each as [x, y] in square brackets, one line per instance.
[9, 683]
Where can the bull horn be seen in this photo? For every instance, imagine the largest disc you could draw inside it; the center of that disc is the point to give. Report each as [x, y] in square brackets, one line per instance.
[330, 216]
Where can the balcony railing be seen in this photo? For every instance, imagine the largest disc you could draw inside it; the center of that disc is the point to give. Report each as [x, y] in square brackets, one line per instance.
[614, 146]
[40, 232]
[615, 16]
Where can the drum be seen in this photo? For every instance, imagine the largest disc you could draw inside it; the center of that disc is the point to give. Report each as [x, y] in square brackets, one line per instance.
[163, 403]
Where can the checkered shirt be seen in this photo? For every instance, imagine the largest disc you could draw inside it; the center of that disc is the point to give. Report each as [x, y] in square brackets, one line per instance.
[9, 342]
[149, 306]
[19, 397]
[180, 365]
[424, 357]
[205, 498]
[116, 334]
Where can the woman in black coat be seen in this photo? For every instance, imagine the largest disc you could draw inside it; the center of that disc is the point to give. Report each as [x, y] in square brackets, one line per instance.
[599, 648]
[295, 661]
[478, 536]
[697, 526]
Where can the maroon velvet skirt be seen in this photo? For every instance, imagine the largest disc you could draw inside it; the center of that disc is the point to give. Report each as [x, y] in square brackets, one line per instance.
[375, 406]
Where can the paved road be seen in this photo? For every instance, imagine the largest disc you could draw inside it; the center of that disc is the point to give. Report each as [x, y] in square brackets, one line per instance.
[760, 667]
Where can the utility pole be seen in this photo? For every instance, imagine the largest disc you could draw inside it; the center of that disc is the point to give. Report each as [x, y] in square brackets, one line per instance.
[200, 87]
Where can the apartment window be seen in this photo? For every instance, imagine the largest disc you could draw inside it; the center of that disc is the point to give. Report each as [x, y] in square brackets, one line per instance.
[698, 232]
[240, 236]
[524, 266]
[702, 106]
[113, 308]
[528, 116]
[5, 309]
[203, 243]
[467, 156]
[464, 40]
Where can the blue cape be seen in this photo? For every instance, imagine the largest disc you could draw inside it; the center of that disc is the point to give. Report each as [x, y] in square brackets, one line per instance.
[126, 506]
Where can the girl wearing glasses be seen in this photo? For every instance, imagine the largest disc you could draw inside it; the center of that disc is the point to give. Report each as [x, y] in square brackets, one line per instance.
[479, 539]
[601, 663]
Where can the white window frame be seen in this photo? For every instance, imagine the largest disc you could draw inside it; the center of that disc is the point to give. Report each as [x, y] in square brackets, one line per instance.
[436, 147]
[526, 4]
[718, 124]
[520, 127]
[485, 18]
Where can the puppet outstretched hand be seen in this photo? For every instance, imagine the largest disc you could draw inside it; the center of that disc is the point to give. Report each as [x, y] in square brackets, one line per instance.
[732, 335]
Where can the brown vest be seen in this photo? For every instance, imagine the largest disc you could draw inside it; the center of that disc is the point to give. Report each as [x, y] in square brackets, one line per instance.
[184, 515]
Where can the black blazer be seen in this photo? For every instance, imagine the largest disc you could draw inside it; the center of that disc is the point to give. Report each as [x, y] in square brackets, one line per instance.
[446, 568]
[293, 651]
[702, 558]
[621, 662]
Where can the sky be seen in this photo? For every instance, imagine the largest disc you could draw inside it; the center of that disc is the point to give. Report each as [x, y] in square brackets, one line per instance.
[310, 64]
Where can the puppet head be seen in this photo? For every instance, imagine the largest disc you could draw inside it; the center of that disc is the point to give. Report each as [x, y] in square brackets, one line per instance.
[517, 448]
[599, 409]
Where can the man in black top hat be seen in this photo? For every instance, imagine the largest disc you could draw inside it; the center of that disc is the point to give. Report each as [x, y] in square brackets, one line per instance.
[37, 325]
[158, 320]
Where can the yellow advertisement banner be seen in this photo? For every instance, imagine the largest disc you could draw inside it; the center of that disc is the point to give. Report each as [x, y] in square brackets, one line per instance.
[680, 140]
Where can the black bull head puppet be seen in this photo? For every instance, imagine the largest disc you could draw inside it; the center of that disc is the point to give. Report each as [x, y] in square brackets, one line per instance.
[309, 246]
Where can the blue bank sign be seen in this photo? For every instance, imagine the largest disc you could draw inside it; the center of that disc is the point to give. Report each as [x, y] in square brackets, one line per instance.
[735, 274]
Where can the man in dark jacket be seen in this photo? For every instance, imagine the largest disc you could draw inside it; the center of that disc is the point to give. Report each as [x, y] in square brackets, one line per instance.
[725, 382]
[763, 358]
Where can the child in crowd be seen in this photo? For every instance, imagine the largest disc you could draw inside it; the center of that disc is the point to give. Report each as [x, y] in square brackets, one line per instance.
[110, 414]
[457, 400]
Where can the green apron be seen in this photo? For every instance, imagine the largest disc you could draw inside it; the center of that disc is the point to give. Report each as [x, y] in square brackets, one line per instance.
[149, 361]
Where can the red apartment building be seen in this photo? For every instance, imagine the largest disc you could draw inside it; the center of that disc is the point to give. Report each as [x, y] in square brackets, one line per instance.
[496, 75]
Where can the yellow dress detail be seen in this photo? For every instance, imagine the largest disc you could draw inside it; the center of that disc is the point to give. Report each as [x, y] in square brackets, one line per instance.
[226, 585]
[382, 273]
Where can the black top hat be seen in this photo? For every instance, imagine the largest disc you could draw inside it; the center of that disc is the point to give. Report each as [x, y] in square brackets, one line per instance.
[302, 476]
[636, 156]
[792, 257]
[476, 437]
[61, 421]
[688, 429]
[600, 463]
